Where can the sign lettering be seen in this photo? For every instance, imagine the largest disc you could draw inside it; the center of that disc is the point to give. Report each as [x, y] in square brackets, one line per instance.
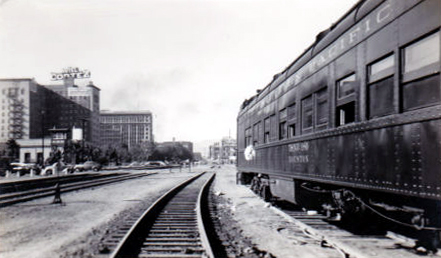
[298, 152]
[70, 72]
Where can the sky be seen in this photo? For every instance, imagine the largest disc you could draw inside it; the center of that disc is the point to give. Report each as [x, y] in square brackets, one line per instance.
[190, 62]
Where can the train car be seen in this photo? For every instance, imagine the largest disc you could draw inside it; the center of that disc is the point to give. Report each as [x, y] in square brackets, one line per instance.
[355, 121]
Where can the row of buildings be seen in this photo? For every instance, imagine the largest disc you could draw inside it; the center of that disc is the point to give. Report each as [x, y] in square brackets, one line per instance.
[224, 151]
[40, 117]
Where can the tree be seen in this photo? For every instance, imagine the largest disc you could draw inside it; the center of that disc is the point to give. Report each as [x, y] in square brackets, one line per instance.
[174, 153]
[12, 149]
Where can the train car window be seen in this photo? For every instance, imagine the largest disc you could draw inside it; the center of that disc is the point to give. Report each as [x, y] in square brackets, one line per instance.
[273, 129]
[292, 118]
[346, 86]
[421, 73]
[346, 100]
[292, 112]
[247, 137]
[283, 114]
[381, 69]
[381, 86]
[256, 133]
[346, 114]
[292, 130]
[307, 114]
[422, 57]
[321, 98]
[267, 129]
[283, 128]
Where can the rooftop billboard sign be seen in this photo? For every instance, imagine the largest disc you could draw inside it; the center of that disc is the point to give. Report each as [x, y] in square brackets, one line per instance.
[70, 72]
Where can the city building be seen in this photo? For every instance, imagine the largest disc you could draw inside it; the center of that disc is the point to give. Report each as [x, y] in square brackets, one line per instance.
[132, 128]
[228, 150]
[224, 151]
[87, 96]
[30, 111]
[215, 151]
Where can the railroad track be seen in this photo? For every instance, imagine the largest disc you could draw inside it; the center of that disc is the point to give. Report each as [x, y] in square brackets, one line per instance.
[173, 226]
[65, 186]
[349, 244]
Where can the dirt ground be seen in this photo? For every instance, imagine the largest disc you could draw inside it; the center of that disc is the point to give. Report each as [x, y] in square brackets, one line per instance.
[41, 229]
[75, 229]
[270, 234]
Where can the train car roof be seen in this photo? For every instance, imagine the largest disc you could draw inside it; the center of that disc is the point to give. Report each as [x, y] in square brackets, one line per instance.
[323, 39]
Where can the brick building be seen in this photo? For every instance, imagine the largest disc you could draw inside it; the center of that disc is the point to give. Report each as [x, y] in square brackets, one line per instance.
[29, 110]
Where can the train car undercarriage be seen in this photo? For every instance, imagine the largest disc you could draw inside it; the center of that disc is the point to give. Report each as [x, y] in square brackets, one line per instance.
[414, 217]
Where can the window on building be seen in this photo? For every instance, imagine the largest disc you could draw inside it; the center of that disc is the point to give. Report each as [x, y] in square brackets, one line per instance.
[381, 86]
[27, 157]
[421, 72]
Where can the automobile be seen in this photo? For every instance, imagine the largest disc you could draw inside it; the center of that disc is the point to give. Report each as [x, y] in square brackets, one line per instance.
[52, 169]
[156, 163]
[134, 164]
[88, 165]
[24, 168]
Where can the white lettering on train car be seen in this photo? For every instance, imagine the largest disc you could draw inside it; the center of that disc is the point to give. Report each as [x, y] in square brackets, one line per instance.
[298, 152]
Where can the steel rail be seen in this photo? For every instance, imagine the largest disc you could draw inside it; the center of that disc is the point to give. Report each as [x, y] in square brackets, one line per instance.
[203, 216]
[170, 219]
[9, 199]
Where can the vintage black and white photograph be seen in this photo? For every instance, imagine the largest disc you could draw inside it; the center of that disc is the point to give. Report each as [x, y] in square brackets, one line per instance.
[220, 128]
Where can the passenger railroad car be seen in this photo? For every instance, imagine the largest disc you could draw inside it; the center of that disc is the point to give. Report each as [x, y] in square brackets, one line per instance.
[357, 116]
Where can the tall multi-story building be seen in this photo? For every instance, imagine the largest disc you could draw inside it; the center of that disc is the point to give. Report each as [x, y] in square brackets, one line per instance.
[21, 105]
[215, 151]
[132, 128]
[30, 111]
[88, 97]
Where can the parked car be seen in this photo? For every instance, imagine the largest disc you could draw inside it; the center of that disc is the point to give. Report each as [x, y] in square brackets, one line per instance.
[24, 168]
[156, 163]
[88, 165]
[52, 169]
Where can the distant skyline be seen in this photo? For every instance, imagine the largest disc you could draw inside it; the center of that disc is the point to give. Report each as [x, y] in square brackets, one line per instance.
[190, 62]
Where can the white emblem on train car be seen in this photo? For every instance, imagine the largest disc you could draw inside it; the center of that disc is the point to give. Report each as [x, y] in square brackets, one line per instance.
[249, 153]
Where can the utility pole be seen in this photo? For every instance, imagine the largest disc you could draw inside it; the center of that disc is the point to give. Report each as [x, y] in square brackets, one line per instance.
[42, 137]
